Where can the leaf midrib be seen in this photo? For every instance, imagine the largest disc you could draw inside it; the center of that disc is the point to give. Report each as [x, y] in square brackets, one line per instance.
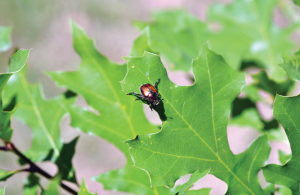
[38, 114]
[128, 119]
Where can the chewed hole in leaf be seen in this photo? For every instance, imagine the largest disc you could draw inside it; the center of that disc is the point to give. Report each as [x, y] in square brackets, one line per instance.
[240, 138]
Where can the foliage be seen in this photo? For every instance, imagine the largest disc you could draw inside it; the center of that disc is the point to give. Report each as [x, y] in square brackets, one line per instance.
[192, 138]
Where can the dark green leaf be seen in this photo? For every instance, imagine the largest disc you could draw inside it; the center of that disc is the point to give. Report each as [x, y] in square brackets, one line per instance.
[248, 33]
[121, 118]
[286, 111]
[83, 189]
[297, 2]
[5, 42]
[194, 133]
[18, 61]
[64, 161]
[32, 185]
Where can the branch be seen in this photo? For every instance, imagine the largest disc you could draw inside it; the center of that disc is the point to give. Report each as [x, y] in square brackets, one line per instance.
[33, 167]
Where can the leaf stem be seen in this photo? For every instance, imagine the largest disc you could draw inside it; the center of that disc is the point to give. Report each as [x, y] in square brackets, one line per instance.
[33, 167]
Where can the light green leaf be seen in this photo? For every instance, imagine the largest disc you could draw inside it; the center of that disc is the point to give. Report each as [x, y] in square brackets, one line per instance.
[283, 157]
[120, 119]
[41, 115]
[4, 175]
[286, 112]
[248, 33]
[2, 191]
[194, 133]
[194, 178]
[178, 36]
[18, 61]
[5, 42]
[83, 189]
[53, 187]
[291, 66]
[249, 117]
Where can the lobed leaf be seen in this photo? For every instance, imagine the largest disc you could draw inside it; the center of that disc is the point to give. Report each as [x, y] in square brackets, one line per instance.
[41, 115]
[184, 190]
[286, 112]
[120, 118]
[193, 134]
[178, 36]
[18, 61]
[250, 35]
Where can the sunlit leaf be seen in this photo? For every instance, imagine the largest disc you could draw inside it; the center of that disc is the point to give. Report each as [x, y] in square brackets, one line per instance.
[120, 118]
[2, 191]
[194, 134]
[41, 115]
[287, 113]
[17, 62]
[247, 32]
[283, 157]
[5, 42]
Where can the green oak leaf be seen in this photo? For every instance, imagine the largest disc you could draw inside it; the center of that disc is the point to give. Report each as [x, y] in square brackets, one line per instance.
[83, 189]
[262, 81]
[43, 116]
[120, 118]
[178, 36]
[2, 191]
[31, 185]
[4, 175]
[291, 66]
[286, 112]
[248, 33]
[249, 117]
[297, 2]
[193, 136]
[283, 157]
[17, 62]
[64, 161]
[53, 187]
[5, 42]
[184, 190]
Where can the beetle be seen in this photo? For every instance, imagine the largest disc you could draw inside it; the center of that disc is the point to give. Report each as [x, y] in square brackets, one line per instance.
[149, 94]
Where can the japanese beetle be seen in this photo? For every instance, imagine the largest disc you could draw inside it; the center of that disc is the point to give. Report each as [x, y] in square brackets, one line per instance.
[149, 94]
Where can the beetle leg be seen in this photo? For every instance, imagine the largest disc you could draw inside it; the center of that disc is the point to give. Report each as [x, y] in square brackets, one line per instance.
[156, 83]
[135, 94]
